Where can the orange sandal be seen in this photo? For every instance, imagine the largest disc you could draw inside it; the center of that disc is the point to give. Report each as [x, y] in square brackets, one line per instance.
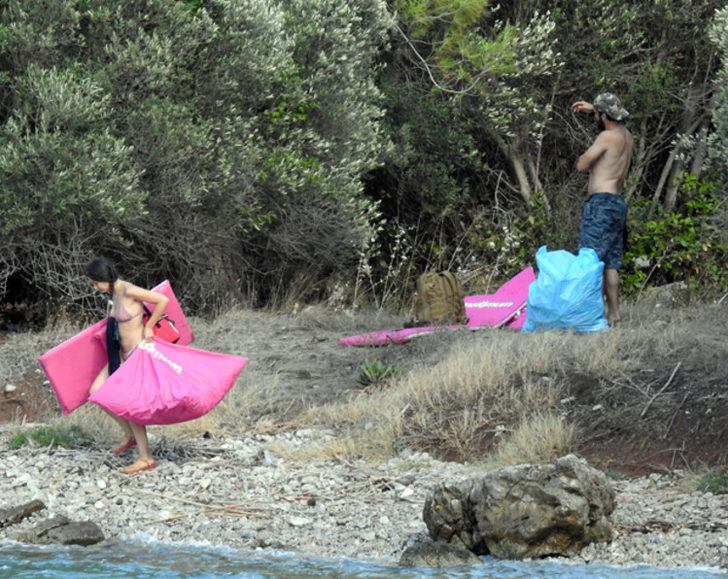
[139, 466]
[123, 447]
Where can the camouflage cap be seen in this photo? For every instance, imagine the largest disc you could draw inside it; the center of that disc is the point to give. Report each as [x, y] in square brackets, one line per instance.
[609, 104]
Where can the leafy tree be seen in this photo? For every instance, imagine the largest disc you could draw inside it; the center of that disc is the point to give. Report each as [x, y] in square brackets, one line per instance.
[718, 139]
[209, 142]
[499, 67]
[718, 155]
[257, 149]
[67, 179]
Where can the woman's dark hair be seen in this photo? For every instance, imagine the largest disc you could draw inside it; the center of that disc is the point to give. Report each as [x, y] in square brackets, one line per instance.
[101, 269]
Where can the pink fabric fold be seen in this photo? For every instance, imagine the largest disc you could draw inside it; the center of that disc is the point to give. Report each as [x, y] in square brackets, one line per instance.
[163, 383]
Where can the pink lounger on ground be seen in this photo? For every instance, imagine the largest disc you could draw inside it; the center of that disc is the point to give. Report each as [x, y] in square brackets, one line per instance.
[505, 308]
[385, 337]
[163, 383]
[498, 309]
[72, 366]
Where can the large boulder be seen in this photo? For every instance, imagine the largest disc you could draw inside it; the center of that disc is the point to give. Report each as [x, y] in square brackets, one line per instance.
[61, 530]
[14, 515]
[524, 511]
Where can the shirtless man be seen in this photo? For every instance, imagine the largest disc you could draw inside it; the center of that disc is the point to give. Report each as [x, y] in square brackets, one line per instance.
[605, 212]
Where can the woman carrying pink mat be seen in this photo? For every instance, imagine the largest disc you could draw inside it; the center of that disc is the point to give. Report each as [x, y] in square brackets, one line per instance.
[161, 381]
[125, 327]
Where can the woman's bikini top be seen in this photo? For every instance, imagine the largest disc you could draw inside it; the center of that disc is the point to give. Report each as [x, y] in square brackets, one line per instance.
[121, 314]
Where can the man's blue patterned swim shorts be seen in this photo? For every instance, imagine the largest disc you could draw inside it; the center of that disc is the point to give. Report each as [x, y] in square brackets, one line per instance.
[602, 227]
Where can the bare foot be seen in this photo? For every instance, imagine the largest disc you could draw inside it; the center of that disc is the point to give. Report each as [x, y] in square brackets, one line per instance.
[140, 465]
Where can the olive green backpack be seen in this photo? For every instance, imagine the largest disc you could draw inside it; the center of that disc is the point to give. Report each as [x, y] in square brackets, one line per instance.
[439, 300]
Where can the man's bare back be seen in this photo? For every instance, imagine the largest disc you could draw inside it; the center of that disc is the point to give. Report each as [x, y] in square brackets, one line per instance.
[608, 158]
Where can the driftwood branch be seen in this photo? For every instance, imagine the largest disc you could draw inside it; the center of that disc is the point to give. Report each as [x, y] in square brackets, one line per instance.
[654, 396]
[206, 509]
[674, 414]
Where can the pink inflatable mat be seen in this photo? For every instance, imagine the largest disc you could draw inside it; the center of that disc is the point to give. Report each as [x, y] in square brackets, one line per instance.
[163, 383]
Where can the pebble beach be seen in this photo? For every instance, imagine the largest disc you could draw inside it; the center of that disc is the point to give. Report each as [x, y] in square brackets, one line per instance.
[255, 494]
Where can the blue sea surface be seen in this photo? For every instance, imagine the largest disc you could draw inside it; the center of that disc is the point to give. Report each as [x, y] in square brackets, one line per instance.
[149, 559]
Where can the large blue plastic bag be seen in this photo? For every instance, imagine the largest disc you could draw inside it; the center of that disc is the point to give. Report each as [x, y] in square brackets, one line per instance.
[567, 292]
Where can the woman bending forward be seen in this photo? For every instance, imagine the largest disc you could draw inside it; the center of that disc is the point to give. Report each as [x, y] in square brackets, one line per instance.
[126, 308]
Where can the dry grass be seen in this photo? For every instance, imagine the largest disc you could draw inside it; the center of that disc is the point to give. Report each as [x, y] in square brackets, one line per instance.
[374, 447]
[470, 393]
[491, 396]
[511, 383]
[93, 421]
[19, 351]
[537, 439]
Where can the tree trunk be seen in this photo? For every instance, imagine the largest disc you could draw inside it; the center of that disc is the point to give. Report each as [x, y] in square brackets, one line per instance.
[670, 173]
[519, 166]
[690, 123]
[637, 166]
[533, 169]
[701, 150]
[675, 181]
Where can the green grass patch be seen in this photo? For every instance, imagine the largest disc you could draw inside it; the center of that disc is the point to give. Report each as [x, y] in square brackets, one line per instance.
[713, 482]
[50, 436]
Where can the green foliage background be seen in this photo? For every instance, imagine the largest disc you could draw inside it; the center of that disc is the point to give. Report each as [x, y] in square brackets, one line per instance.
[264, 151]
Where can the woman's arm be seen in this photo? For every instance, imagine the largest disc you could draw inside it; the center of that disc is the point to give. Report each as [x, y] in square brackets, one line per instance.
[160, 304]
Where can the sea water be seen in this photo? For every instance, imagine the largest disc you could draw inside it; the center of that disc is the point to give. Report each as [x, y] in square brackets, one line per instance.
[150, 559]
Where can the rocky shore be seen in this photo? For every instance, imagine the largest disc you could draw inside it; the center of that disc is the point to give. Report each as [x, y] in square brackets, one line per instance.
[252, 494]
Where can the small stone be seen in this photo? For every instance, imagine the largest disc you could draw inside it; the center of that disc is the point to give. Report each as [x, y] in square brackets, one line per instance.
[406, 493]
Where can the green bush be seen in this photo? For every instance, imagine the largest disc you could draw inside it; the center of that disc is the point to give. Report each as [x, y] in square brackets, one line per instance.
[681, 245]
[614, 474]
[210, 143]
[376, 373]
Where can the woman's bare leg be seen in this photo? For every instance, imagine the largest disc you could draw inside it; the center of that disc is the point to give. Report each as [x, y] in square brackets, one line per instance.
[140, 433]
[145, 460]
[128, 434]
[132, 432]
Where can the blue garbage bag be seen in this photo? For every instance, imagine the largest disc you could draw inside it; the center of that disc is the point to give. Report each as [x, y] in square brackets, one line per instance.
[567, 292]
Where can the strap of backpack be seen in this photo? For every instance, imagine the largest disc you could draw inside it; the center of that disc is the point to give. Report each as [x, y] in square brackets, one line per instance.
[452, 282]
[149, 314]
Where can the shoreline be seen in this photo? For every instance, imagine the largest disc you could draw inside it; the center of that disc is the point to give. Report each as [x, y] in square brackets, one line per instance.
[247, 494]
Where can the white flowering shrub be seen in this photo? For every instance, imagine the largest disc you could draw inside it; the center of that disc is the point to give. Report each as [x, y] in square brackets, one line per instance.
[718, 151]
[219, 144]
